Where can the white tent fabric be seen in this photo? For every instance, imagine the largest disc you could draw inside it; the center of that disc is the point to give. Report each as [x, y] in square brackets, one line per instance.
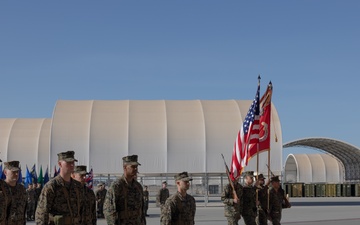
[169, 136]
[25, 140]
[313, 168]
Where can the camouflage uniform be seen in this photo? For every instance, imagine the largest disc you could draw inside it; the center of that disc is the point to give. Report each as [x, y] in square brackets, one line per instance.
[277, 201]
[232, 210]
[161, 197]
[18, 205]
[100, 198]
[5, 200]
[146, 201]
[90, 202]
[124, 203]
[17, 209]
[31, 198]
[275, 206]
[38, 192]
[61, 199]
[178, 209]
[249, 201]
[263, 209]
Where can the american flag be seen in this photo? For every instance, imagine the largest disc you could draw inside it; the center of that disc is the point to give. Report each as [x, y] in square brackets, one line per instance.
[247, 137]
[264, 124]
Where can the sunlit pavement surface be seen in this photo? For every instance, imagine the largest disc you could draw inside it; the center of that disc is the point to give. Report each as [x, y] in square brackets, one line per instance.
[317, 211]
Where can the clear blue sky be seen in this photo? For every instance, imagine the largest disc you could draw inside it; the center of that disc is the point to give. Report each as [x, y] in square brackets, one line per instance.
[203, 49]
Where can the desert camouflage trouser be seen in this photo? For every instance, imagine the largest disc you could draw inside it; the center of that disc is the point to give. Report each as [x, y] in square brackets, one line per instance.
[130, 221]
[261, 218]
[276, 218]
[17, 222]
[232, 221]
[162, 206]
[249, 220]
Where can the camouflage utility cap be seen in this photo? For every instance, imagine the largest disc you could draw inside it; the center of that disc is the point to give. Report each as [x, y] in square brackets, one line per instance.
[12, 165]
[80, 170]
[249, 174]
[67, 156]
[183, 176]
[275, 179]
[131, 160]
[261, 177]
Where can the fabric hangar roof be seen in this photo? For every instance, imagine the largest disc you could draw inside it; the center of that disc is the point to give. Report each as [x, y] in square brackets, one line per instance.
[348, 154]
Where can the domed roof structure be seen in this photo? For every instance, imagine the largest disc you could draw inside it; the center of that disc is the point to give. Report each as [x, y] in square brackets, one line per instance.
[313, 168]
[168, 135]
[347, 154]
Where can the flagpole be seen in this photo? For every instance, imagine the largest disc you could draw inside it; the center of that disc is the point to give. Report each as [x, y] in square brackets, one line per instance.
[269, 161]
[257, 151]
[268, 190]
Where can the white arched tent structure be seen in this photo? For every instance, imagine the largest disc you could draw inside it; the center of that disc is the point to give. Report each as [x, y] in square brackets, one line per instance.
[25, 140]
[169, 136]
[347, 154]
[313, 168]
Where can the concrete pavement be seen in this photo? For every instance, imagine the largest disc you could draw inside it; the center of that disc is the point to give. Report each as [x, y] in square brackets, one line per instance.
[304, 211]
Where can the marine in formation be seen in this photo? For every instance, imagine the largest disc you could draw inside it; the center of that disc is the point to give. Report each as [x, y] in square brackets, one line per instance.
[100, 199]
[62, 199]
[79, 174]
[180, 207]
[232, 197]
[278, 201]
[13, 195]
[162, 195]
[124, 199]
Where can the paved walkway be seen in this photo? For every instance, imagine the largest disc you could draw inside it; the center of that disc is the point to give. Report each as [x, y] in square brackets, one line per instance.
[305, 211]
